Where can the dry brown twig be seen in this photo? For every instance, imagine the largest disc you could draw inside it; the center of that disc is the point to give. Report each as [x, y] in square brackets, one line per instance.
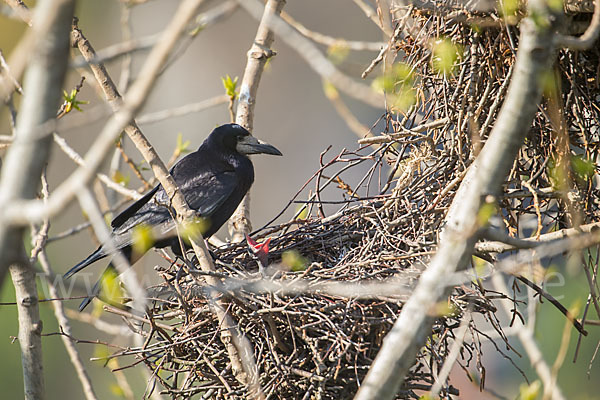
[235, 343]
[333, 315]
[39, 253]
[588, 38]
[331, 41]
[314, 58]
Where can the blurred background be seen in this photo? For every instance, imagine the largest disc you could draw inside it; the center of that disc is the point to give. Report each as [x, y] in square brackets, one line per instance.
[291, 113]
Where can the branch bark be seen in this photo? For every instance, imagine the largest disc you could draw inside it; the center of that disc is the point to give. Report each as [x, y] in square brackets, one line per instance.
[314, 58]
[588, 38]
[502, 242]
[174, 31]
[485, 176]
[23, 166]
[30, 326]
[238, 347]
[258, 55]
[33, 211]
[39, 244]
[21, 10]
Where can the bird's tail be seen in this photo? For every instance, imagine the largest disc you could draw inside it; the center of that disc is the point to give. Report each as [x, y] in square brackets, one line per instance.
[95, 256]
[94, 293]
[108, 282]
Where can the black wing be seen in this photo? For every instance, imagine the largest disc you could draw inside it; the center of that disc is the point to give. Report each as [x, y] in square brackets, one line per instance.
[204, 194]
[132, 209]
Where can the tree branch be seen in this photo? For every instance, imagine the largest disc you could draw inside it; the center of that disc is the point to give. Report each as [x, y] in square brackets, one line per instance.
[40, 241]
[24, 212]
[484, 177]
[258, 55]
[314, 58]
[23, 165]
[525, 335]
[21, 10]
[502, 243]
[238, 347]
[587, 39]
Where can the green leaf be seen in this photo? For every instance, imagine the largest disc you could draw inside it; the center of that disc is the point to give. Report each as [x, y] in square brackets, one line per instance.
[303, 212]
[121, 179]
[556, 174]
[445, 309]
[199, 28]
[230, 86]
[72, 102]
[383, 83]
[487, 211]
[294, 260]
[330, 90]
[508, 8]
[142, 166]
[399, 83]
[529, 392]
[541, 21]
[182, 147]
[143, 238]
[404, 100]
[584, 168]
[555, 5]
[482, 267]
[399, 78]
[445, 56]
[547, 81]
[194, 228]
[101, 351]
[338, 52]
[111, 287]
[117, 390]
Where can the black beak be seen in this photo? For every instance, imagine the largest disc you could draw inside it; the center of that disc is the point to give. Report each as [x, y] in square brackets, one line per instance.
[251, 145]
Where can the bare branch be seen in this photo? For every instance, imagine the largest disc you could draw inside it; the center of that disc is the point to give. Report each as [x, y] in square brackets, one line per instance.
[485, 176]
[412, 132]
[525, 335]
[258, 55]
[23, 165]
[372, 15]
[157, 116]
[588, 38]
[344, 112]
[315, 59]
[452, 356]
[238, 346]
[34, 210]
[59, 312]
[240, 350]
[21, 10]
[90, 207]
[331, 41]
[30, 326]
[69, 151]
[503, 243]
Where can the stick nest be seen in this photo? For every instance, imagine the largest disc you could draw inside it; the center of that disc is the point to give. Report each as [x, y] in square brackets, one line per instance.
[314, 321]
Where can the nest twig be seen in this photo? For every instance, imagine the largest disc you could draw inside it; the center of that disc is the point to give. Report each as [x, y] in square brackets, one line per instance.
[313, 339]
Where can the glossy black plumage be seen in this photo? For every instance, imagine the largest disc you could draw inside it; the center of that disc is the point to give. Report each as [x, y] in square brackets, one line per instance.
[213, 180]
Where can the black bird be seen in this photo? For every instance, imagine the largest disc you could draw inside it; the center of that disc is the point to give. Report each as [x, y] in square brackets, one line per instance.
[213, 180]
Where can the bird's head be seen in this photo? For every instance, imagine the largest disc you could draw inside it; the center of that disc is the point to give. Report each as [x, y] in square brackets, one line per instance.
[236, 138]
